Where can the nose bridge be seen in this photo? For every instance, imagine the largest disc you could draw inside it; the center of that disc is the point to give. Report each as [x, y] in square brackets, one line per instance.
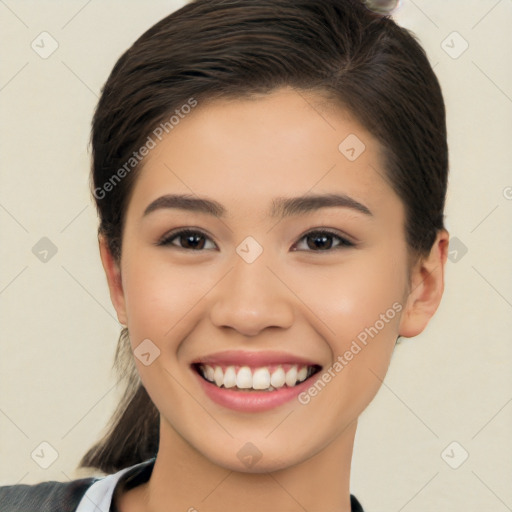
[251, 297]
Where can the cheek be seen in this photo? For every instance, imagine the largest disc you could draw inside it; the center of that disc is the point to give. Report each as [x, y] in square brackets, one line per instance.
[352, 296]
[360, 304]
[160, 295]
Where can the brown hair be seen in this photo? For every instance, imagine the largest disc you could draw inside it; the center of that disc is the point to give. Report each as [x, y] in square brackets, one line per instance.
[209, 49]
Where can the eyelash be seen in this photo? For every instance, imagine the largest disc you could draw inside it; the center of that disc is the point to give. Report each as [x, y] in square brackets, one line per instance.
[168, 238]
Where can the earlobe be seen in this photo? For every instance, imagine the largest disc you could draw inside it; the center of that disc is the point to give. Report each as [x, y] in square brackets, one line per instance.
[113, 275]
[427, 286]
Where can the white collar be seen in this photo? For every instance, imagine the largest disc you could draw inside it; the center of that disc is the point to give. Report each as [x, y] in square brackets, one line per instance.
[98, 497]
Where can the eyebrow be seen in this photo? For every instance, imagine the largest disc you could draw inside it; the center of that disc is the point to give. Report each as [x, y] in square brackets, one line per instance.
[281, 206]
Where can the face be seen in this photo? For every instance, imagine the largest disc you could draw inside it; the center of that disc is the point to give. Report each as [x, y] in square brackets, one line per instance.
[321, 284]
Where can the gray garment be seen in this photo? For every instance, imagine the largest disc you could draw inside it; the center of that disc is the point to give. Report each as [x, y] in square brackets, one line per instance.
[44, 497]
[66, 496]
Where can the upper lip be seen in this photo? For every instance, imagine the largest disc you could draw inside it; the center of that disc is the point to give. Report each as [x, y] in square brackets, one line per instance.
[254, 359]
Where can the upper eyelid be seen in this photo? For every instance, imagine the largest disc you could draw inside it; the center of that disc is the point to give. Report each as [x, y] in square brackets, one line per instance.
[346, 240]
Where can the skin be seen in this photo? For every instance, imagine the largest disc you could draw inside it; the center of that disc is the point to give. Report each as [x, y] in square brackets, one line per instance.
[309, 302]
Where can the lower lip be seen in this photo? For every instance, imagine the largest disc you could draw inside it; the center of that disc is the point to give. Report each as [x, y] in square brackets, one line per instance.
[251, 401]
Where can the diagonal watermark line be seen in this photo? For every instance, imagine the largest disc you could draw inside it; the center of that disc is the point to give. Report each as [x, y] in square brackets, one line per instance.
[483, 483]
[14, 423]
[14, 76]
[90, 294]
[486, 14]
[22, 478]
[216, 487]
[192, 192]
[405, 504]
[76, 14]
[314, 185]
[13, 279]
[492, 81]
[316, 110]
[381, 174]
[286, 490]
[74, 426]
[384, 384]
[80, 79]
[492, 286]
[66, 475]
[492, 418]
[74, 218]
[13, 13]
[423, 280]
[96, 505]
[424, 13]
[199, 300]
[13, 218]
[199, 403]
[492, 211]
[280, 423]
[301, 300]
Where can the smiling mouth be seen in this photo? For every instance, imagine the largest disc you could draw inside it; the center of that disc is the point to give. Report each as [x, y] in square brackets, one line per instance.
[263, 378]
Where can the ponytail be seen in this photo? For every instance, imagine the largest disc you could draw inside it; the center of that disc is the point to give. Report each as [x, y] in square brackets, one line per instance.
[133, 430]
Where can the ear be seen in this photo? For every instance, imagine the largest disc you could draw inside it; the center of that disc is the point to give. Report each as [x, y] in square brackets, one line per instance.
[115, 285]
[427, 286]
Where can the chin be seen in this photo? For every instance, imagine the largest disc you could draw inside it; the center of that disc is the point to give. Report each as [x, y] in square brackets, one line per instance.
[257, 457]
[263, 466]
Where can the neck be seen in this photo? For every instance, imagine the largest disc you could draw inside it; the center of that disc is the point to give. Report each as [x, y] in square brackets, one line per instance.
[184, 480]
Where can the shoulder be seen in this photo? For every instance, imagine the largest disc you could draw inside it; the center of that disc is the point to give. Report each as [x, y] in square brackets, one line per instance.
[44, 497]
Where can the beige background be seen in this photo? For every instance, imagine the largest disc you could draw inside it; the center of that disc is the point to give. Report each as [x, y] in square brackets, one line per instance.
[58, 327]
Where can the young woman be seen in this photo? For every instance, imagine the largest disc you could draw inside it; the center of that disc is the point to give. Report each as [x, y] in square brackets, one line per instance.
[270, 178]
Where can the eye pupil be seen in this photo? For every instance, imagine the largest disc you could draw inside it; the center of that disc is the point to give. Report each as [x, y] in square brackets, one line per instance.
[321, 244]
[191, 239]
[316, 241]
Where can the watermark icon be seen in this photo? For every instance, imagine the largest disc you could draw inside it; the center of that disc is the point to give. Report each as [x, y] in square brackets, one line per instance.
[351, 147]
[454, 45]
[44, 250]
[137, 156]
[44, 455]
[454, 455]
[507, 193]
[146, 352]
[343, 360]
[249, 249]
[249, 454]
[44, 45]
[456, 249]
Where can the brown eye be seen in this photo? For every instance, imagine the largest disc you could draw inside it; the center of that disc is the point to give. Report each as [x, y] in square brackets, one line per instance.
[322, 241]
[191, 240]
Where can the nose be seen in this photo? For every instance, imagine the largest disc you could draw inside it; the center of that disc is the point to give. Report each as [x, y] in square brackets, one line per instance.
[252, 297]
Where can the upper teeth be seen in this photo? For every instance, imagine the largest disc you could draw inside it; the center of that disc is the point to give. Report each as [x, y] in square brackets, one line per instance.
[256, 378]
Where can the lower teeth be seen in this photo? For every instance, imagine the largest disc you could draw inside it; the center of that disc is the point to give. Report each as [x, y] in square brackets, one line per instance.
[251, 389]
[235, 388]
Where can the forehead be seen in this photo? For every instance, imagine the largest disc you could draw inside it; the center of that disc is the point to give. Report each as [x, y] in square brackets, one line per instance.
[245, 152]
